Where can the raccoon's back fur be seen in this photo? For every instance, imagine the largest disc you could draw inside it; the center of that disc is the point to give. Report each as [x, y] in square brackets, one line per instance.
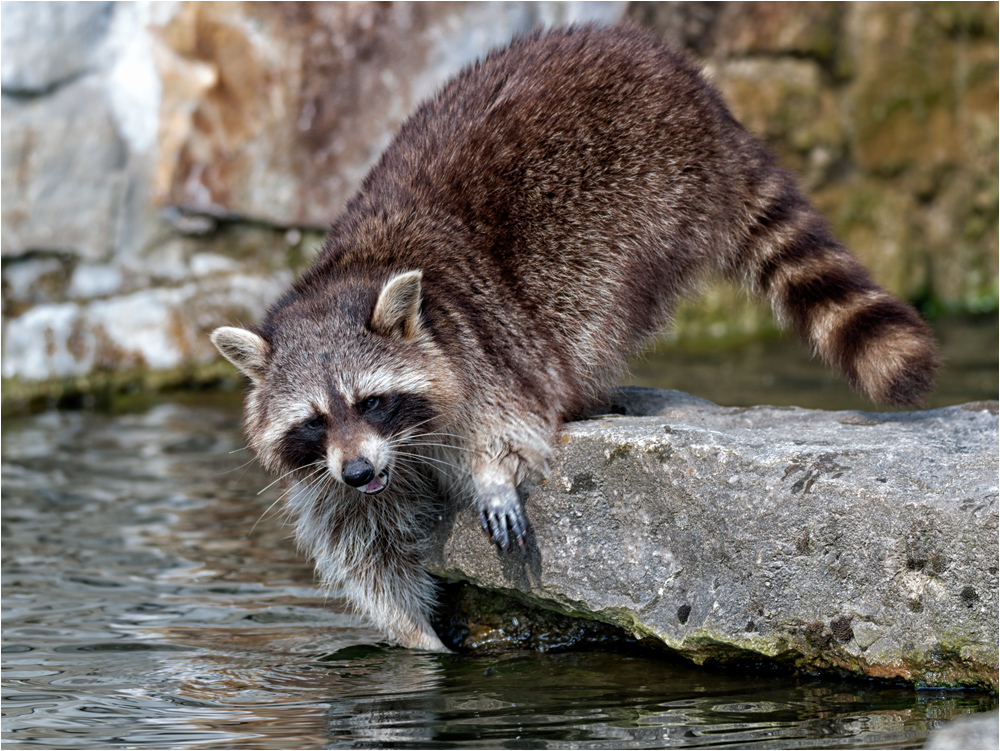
[526, 231]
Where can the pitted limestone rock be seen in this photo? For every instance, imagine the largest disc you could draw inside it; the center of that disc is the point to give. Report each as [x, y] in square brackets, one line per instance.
[862, 542]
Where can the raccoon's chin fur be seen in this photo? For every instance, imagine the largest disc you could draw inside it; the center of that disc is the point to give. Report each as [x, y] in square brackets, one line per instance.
[376, 486]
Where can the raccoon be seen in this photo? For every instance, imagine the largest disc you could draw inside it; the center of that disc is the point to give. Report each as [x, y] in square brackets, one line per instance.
[528, 229]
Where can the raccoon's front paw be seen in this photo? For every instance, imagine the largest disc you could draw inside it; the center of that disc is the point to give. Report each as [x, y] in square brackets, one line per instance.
[502, 518]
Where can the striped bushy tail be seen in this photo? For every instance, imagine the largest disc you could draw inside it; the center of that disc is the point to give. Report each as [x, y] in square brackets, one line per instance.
[814, 284]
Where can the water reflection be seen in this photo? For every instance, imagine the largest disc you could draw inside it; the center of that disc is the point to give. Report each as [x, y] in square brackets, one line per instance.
[614, 700]
[149, 600]
[782, 372]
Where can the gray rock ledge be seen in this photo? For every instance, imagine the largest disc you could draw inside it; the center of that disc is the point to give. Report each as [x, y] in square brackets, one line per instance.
[853, 541]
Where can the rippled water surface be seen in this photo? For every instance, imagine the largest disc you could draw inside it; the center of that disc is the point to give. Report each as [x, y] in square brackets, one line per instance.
[150, 599]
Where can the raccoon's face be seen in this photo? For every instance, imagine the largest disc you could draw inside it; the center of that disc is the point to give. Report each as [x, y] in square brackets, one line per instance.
[355, 440]
[339, 392]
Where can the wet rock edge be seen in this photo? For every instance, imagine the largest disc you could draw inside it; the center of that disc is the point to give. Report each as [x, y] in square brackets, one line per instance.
[873, 629]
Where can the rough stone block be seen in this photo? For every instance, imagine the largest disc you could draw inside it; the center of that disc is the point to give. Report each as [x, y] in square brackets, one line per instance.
[854, 541]
[62, 43]
[63, 173]
[152, 329]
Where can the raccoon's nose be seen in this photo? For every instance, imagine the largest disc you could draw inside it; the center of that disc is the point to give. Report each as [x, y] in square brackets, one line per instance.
[358, 472]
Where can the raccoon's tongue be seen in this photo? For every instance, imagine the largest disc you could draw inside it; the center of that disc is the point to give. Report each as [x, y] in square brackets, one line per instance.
[378, 484]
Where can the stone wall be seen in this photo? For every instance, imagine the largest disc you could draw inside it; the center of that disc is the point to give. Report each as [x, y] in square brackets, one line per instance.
[166, 167]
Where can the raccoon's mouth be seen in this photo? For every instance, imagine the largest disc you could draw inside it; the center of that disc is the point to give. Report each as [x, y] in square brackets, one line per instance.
[380, 483]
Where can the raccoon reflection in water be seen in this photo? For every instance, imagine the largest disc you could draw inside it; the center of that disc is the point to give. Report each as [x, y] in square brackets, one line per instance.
[528, 229]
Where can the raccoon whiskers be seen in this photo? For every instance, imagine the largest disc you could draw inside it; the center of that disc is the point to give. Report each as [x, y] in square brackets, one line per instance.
[265, 513]
[320, 466]
[410, 435]
[315, 479]
[314, 484]
[244, 465]
[432, 418]
[409, 484]
[279, 479]
[417, 441]
[415, 460]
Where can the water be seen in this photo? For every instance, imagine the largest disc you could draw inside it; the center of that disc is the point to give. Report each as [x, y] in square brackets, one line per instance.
[151, 599]
[782, 372]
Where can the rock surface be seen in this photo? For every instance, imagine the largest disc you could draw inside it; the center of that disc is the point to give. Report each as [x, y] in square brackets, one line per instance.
[860, 542]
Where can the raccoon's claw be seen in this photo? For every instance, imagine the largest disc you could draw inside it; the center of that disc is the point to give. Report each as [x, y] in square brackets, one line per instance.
[504, 527]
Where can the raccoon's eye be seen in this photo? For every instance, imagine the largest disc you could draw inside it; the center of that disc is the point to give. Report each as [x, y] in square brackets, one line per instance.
[317, 423]
[368, 404]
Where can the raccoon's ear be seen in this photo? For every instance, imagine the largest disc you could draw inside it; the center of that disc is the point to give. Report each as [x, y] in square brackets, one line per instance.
[397, 312]
[244, 349]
